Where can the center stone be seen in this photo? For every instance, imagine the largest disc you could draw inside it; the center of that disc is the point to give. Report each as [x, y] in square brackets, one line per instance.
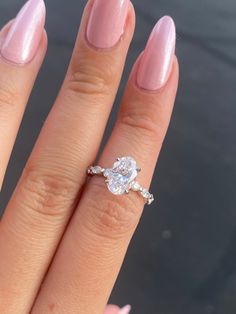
[123, 172]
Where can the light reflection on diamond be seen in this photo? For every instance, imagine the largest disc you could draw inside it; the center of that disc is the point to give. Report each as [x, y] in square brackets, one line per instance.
[121, 175]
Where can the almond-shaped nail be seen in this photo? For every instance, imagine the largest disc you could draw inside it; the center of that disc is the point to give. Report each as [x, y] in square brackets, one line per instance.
[125, 310]
[107, 22]
[157, 60]
[24, 36]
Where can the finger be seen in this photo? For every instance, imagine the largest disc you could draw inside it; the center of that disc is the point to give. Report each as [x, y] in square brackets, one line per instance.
[54, 175]
[92, 250]
[18, 69]
[113, 309]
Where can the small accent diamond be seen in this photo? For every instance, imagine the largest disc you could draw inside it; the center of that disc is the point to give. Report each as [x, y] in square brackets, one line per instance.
[150, 200]
[135, 186]
[97, 170]
[145, 193]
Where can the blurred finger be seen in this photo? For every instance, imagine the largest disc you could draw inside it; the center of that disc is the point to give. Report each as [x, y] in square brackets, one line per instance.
[113, 309]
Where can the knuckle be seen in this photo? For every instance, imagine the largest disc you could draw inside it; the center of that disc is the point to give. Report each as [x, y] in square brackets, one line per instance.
[90, 79]
[112, 216]
[45, 194]
[144, 120]
[85, 84]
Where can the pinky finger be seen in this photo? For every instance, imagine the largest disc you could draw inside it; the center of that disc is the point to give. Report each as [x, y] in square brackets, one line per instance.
[113, 309]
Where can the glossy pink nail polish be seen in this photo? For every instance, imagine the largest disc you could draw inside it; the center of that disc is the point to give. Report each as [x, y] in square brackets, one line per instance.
[156, 62]
[24, 36]
[106, 23]
[125, 310]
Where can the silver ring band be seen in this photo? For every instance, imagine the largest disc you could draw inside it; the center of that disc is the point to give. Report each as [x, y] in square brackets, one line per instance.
[120, 179]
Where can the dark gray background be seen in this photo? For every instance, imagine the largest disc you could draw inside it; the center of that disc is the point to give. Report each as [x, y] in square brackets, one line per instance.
[182, 259]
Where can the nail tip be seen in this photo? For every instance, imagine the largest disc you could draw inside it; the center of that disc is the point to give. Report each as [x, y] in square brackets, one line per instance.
[168, 23]
[154, 70]
[44, 7]
[32, 14]
[39, 6]
[167, 20]
[36, 6]
[125, 310]
[38, 2]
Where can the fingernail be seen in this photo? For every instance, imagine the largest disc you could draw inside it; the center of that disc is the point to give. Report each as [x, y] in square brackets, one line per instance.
[156, 63]
[106, 23]
[24, 36]
[125, 310]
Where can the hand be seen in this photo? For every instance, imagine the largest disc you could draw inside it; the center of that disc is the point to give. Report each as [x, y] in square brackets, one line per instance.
[62, 237]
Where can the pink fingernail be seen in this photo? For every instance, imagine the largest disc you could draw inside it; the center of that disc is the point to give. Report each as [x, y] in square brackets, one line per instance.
[156, 62]
[125, 310]
[24, 36]
[106, 23]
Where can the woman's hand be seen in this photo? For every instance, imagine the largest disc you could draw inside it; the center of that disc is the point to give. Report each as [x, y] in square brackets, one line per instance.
[63, 238]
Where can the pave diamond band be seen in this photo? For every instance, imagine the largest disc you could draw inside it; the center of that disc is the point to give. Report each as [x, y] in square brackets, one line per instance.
[121, 178]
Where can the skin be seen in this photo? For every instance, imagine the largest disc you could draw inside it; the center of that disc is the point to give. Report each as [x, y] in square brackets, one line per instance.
[78, 236]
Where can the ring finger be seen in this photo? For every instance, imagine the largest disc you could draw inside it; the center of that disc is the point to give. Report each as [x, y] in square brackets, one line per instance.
[92, 250]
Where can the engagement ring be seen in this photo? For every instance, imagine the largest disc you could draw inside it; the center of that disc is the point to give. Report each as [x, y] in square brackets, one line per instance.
[121, 178]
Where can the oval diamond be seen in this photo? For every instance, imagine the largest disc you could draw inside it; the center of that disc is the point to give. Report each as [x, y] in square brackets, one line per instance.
[123, 172]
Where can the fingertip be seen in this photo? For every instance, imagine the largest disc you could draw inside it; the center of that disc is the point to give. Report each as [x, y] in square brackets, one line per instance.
[5, 28]
[99, 36]
[44, 40]
[125, 310]
[41, 52]
[173, 80]
[176, 66]
[131, 17]
[112, 309]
